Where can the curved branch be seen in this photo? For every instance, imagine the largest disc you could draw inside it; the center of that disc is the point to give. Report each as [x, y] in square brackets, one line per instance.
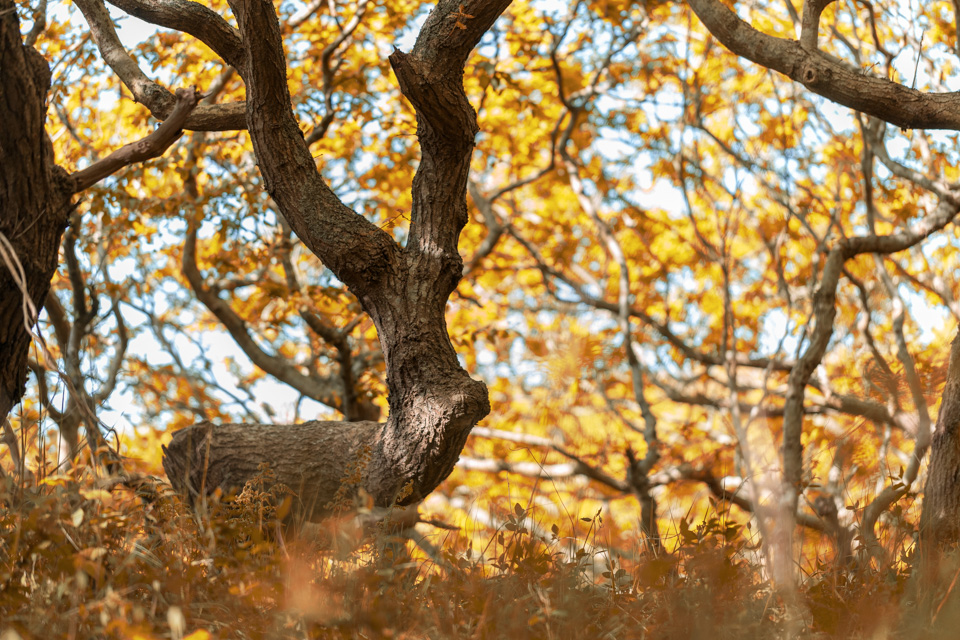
[352, 247]
[828, 77]
[431, 78]
[192, 18]
[159, 101]
[824, 310]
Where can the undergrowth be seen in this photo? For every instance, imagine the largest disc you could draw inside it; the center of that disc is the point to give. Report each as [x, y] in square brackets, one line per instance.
[83, 556]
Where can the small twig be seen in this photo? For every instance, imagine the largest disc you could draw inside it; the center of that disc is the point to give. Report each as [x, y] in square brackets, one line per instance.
[916, 67]
[12, 262]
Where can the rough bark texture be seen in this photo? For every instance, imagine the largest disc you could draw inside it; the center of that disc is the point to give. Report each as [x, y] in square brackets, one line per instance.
[940, 520]
[433, 402]
[34, 201]
[204, 457]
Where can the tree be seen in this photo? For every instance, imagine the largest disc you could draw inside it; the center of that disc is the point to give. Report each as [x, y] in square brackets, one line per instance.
[768, 292]
[36, 197]
[433, 402]
[891, 102]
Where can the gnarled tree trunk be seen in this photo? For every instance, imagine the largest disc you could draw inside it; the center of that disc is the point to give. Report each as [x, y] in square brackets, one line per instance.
[433, 402]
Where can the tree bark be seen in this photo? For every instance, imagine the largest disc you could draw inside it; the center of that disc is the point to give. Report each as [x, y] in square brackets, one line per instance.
[940, 518]
[34, 202]
[35, 194]
[433, 402]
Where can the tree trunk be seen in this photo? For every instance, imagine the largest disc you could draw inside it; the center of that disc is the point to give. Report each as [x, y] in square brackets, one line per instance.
[940, 519]
[433, 402]
[34, 202]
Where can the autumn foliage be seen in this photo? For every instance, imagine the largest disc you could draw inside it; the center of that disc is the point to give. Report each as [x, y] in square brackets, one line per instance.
[657, 226]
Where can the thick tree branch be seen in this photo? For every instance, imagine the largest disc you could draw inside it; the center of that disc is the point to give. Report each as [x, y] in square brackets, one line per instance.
[34, 201]
[355, 249]
[431, 78]
[810, 26]
[158, 100]
[192, 18]
[907, 108]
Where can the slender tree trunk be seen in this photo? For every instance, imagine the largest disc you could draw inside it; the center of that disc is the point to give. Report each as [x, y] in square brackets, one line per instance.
[34, 202]
[940, 519]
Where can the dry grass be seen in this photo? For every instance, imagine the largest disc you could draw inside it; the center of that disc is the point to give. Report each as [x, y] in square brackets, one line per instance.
[78, 561]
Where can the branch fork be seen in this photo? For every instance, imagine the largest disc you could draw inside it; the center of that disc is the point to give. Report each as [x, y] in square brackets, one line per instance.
[810, 24]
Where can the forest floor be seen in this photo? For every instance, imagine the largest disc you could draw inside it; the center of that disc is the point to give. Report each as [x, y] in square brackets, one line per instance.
[85, 557]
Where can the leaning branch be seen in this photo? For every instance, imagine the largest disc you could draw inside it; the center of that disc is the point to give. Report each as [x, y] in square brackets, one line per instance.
[160, 102]
[192, 18]
[152, 146]
[829, 77]
[355, 249]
